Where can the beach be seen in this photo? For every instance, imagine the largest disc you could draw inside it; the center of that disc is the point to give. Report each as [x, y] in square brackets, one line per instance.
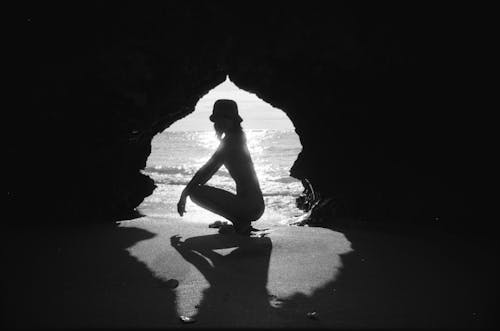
[177, 155]
[123, 275]
[155, 268]
[376, 108]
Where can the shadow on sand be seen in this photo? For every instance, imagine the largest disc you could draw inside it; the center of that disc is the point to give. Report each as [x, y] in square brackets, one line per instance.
[408, 280]
[81, 276]
[237, 295]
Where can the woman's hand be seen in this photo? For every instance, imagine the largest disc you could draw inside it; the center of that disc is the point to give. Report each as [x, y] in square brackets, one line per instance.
[181, 205]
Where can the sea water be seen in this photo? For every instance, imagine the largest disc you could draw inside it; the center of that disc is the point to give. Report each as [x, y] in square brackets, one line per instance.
[177, 155]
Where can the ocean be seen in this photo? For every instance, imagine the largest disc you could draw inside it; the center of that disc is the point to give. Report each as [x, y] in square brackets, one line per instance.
[177, 155]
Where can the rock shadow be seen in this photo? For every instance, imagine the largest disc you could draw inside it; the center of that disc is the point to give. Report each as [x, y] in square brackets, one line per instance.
[79, 277]
[406, 280]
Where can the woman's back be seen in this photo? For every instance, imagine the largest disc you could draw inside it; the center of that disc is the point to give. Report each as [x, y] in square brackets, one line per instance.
[238, 162]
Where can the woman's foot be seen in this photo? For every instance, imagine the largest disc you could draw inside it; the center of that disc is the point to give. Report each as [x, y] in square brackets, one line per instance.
[226, 229]
[243, 228]
[217, 224]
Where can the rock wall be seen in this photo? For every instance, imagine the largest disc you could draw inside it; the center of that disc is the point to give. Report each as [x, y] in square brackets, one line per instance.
[371, 89]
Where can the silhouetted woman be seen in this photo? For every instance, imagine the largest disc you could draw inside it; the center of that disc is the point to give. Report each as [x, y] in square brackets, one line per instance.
[248, 204]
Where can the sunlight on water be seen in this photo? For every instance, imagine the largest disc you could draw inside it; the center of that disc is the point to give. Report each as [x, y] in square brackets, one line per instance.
[176, 156]
[208, 140]
[177, 153]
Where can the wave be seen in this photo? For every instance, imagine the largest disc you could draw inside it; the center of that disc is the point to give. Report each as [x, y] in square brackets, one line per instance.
[176, 182]
[277, 148]
[165, 181]
[286, 180]
[280, 193]
[169, 170]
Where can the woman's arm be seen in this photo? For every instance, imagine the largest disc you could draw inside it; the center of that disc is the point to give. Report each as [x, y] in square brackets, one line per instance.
[202, 176]
[206, 171]
[193, 257]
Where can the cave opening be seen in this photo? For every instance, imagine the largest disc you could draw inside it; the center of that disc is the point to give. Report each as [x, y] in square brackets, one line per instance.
[182, 148]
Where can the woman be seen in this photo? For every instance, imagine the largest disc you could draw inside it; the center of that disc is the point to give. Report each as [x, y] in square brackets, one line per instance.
[248, 204]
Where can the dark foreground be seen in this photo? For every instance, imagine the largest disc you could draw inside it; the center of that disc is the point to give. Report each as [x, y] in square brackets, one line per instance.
[116, 276]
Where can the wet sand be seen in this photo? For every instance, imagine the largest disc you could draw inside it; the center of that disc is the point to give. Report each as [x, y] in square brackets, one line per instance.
[120, 276]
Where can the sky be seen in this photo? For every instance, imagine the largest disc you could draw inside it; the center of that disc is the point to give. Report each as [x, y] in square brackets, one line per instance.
[256, 113]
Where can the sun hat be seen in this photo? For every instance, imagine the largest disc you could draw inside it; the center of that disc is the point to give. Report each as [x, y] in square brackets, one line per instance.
[225, 108]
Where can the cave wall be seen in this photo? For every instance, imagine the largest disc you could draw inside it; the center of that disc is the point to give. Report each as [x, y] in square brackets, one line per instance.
[371, 90]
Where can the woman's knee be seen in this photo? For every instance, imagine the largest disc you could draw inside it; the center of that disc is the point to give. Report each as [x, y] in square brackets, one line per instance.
[210, 197]
[197, 193]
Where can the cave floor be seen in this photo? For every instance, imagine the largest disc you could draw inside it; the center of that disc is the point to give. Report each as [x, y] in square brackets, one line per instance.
[147, 272]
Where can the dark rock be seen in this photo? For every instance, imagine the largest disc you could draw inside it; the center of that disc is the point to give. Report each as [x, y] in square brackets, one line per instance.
[313, 315]
[172, 283]
[187, 319]
[368, 87]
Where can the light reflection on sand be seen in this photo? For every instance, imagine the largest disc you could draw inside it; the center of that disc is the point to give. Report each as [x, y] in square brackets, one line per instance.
[292, 264]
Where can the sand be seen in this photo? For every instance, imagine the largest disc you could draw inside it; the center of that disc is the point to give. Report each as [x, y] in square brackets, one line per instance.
[121, 275]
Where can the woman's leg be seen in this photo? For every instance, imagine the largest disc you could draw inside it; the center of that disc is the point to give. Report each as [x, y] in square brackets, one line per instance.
[226, 204]
[216, 200]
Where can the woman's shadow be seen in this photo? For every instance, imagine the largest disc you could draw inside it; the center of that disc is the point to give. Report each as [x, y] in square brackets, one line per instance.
[237, 295]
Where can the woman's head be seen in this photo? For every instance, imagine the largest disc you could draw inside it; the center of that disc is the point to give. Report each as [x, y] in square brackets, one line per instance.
[225, 117]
